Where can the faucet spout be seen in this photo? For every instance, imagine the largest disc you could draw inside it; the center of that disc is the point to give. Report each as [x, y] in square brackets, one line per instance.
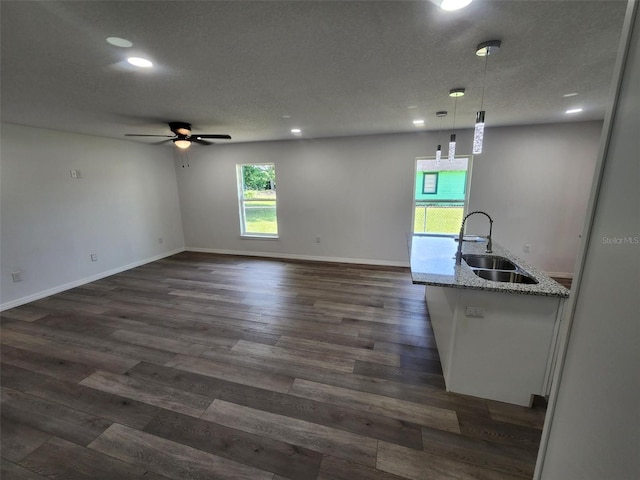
[461, 236]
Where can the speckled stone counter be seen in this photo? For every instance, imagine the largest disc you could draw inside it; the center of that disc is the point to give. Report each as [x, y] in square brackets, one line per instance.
[492, 344]
[433, 263]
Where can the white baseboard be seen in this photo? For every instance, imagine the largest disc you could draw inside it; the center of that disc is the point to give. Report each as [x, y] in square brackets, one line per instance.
[291, 256]
[83, 281]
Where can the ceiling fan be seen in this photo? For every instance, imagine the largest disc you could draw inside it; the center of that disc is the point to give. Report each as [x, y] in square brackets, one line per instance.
[182, 137]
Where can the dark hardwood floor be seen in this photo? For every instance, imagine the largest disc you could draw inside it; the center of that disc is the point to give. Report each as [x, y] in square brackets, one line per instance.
[203, 366]
[565, 282]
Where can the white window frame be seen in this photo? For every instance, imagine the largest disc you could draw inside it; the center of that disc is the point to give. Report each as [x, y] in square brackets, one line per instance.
[465, 208]
[241, 204]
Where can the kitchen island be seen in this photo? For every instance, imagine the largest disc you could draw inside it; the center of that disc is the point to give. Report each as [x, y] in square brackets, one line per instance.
[496, 340]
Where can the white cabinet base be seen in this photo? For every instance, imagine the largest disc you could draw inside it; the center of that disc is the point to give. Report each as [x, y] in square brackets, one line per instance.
[499, 346]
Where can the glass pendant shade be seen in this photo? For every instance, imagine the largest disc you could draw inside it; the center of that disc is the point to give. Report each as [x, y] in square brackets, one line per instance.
[478, 135]
[438, 154]
[452, 147]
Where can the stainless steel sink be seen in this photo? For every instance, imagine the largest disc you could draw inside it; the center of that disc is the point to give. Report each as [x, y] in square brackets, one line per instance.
[504, 276]
[488, 262]
[496, 269]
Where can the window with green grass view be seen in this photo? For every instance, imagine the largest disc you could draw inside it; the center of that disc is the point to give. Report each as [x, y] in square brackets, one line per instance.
[257, 195]
[440, 194]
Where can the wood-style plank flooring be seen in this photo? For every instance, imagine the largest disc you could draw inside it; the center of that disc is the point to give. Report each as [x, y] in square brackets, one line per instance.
[204, 366]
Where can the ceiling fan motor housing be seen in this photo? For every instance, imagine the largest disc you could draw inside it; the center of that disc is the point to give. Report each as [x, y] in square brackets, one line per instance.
[180, 128]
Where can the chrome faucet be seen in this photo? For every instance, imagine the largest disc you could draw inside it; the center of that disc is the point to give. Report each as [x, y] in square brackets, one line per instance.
[489, 246]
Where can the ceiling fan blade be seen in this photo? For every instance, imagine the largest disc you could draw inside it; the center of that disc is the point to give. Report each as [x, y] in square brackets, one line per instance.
[201, 142]
[162, 141]
[209, 135]
[143, 135]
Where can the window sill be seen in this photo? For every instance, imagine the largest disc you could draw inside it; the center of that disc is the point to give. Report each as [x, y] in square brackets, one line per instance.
[259, 237]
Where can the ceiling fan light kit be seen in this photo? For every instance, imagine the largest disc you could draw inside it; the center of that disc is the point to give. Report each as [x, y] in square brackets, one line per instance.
[182, 143]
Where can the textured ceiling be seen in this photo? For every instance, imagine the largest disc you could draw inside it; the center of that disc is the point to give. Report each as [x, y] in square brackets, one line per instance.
[334, 67]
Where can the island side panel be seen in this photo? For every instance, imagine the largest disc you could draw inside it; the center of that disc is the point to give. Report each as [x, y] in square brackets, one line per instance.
[554, 348]
[503, 355]
[441, 303]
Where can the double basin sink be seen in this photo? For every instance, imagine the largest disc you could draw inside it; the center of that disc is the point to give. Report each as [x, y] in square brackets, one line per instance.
[497, 269]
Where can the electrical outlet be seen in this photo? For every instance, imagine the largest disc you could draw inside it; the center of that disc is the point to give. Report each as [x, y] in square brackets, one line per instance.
[160, 241]
[318, 239]
[94, 257]
[16, 276]
[526, 248]
[75, 174]
[477, 312]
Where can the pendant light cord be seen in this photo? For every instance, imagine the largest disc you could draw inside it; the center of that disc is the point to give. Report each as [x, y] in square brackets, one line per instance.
[484, 79]
[455, 108]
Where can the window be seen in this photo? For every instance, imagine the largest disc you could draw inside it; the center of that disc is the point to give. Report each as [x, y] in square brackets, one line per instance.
[257, 199]
[429, 182]
[441, 191]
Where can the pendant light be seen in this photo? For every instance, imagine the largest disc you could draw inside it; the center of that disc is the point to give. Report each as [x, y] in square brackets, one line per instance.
[455, 93]
[483, 50]
[441, 114]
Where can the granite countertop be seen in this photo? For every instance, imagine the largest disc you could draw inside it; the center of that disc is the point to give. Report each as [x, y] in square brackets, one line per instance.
[433, 263]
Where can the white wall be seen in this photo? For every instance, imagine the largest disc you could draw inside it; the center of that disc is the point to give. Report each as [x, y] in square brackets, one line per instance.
[593, 424]
[356, 193]
[50, 223]
[534, 181]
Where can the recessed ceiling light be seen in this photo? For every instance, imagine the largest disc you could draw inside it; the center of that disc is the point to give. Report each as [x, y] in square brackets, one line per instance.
[450, 5]
[570, 94]
[119, 42]
[573, 110]
[411, 107]
[296, 131]
[140, 62]
[286, 116]
[418, 122]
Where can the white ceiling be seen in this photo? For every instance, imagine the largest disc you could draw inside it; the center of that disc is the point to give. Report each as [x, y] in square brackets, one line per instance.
[335, 67]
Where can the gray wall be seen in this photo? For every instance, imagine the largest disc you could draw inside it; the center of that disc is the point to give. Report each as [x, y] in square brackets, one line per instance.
[535, 182]
[593, 425]
[51, 223]
[356, 193]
